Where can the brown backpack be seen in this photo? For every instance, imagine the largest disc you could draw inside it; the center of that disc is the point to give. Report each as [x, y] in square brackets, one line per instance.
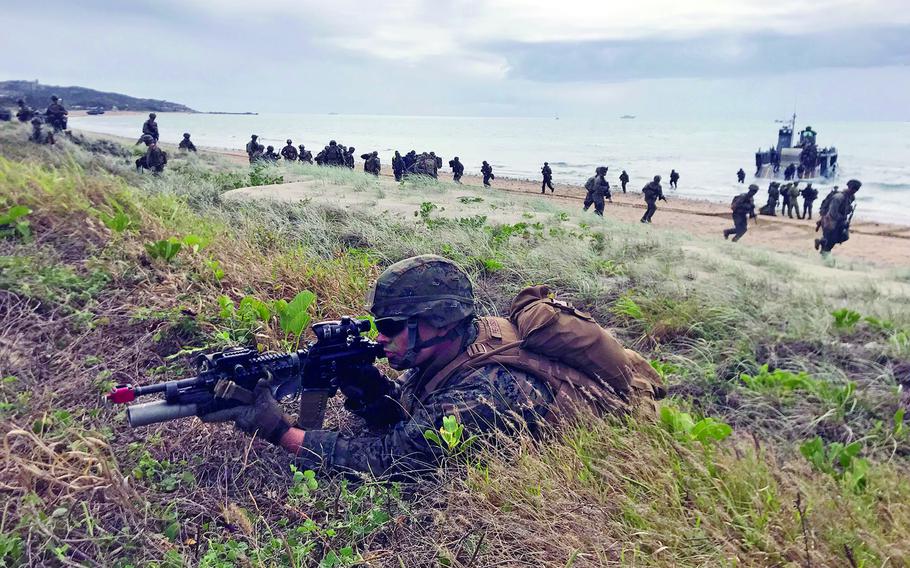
[550, 339]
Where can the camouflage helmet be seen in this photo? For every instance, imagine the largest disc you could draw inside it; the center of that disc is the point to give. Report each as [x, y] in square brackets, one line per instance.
[854, 184]
[428, 286]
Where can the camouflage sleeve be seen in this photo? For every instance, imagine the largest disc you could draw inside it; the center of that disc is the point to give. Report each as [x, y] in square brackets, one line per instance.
[835, 209]
[487, 399]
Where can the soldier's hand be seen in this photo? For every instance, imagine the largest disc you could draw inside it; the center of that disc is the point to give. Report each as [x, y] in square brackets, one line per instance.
[255, 410]
[363, 384]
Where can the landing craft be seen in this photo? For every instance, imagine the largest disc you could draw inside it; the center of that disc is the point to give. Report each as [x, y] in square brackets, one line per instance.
[95, 110]
[805, 156]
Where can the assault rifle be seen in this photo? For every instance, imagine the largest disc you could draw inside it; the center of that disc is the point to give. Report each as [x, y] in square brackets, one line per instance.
[313, 373]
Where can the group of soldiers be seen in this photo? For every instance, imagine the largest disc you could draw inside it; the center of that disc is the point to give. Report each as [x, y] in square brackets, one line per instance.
[835, 213]
[791, 172]
[55, 116]
[788, 195]
[425, 164]
[597, 190]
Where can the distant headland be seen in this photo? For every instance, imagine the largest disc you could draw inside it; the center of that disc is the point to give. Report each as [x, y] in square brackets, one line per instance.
[37, 95]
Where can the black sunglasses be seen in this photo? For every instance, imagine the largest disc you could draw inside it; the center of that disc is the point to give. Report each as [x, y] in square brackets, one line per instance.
[392, 326]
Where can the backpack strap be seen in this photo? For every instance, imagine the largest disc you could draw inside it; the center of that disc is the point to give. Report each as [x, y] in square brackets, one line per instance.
[489, 343]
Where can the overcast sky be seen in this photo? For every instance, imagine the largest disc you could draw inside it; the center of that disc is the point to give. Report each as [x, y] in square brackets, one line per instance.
[658, 58]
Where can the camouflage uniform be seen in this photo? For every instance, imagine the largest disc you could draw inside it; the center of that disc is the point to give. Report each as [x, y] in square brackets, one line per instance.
[457, 169]
[836, 215]
[598, 188]
[484, 400]
[624, 179]
[487, 171]
[810, 194]
[252, 148]
[150, 127]
[304, 155]
[56, 115]
[289, 152]
[493, 397]
[155, 159]
[397, 166]
[547, 178]
[186, 144]
[24, 113]
[743, 206]
[652, 192]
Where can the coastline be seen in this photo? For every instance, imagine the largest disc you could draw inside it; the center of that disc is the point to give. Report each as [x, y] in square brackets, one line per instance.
[882, 244]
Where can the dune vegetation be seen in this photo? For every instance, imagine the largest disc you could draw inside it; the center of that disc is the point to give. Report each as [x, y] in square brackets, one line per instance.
[783, 441]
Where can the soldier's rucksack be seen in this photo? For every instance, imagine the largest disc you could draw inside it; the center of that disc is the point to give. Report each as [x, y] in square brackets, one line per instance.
[589, 185]
[826, 203]
[552, 340]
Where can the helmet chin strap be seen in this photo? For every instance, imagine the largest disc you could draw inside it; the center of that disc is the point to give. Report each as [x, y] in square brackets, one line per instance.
[414, 345]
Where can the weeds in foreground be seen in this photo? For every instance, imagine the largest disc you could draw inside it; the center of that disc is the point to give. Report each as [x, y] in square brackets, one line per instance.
[82, 306]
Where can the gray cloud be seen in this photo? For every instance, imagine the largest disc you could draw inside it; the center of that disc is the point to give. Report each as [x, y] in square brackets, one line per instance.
[711, 55]
[483, 57]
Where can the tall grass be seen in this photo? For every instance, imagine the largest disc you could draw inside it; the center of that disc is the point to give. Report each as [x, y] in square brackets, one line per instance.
[83, 305]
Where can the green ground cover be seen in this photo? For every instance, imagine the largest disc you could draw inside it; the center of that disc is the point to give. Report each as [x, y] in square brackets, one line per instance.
[783, 442]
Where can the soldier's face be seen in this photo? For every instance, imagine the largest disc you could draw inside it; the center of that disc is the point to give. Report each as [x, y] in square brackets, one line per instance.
[396, 345]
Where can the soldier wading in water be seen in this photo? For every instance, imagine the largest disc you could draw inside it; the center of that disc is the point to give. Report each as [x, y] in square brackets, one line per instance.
[457, 364]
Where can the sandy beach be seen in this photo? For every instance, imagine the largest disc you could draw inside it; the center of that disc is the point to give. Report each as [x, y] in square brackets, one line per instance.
[881, 244]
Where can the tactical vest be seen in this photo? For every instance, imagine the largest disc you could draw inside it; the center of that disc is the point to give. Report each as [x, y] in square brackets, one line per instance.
[583, 364]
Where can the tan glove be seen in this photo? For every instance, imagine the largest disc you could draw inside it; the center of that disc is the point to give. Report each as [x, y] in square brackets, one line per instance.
[258, 411]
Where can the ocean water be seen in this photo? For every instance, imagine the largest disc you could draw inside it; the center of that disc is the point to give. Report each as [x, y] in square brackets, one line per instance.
[706, 154]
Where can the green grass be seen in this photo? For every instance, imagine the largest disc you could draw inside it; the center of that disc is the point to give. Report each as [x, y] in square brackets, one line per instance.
[85, 303]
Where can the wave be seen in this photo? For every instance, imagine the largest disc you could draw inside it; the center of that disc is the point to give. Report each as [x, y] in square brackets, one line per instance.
[885, 186]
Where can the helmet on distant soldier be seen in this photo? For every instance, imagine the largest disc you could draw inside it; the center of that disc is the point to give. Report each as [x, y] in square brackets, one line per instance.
[147, 139]
[254, 136]
[186, 134]
[601, 170]
[332, 143]
[656, 178]
[753, 188]
[289, 141]
[55, 98]
[153, 115]
[375, 153]
[270, 148]
[854, 184]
